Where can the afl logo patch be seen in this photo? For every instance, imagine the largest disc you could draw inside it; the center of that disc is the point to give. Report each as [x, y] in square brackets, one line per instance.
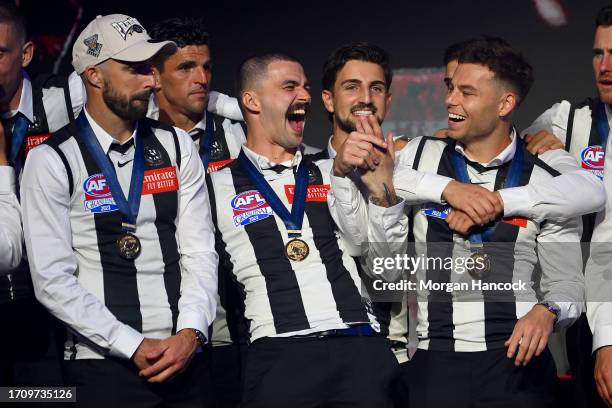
[96, 187]
[249, 207]
[98, 197]
[593, 158]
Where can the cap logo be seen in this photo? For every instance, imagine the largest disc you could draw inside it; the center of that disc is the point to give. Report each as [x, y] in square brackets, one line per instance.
[93, 46]
[127, 27]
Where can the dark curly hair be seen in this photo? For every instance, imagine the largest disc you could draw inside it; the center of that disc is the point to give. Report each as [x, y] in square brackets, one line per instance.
[507, 64]
[184, 32]
[360, 51]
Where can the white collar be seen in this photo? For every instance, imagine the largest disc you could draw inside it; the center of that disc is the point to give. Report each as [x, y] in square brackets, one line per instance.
[26, 100]
[104, 138]
[262, 163]
[505, 156]
[609, 114]
[331, 152]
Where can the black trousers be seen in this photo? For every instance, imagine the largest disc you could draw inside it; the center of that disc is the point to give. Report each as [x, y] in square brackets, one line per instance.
[28, 352]
[582, 364]
[329, 372]
[113, 383]
[487, 379]
[228, 373]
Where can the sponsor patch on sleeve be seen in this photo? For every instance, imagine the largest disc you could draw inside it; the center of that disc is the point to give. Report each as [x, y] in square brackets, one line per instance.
[160, 181]
[314, 193]
[98, 198]
[249, 207]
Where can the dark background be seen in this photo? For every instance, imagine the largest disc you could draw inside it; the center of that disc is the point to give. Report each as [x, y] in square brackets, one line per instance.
[414, 32]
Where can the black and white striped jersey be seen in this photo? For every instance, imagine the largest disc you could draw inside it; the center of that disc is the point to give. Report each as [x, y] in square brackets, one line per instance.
[477, 320]
[574, 125]
[48, 103]
[284, 297]
[72, 224]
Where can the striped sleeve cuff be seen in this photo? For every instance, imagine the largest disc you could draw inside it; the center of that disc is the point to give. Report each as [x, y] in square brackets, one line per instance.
[127, 343]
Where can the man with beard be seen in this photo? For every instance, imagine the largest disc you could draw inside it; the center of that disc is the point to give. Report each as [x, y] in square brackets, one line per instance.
[183, 95]
[476, 339]
[118, 228]
[301, 289]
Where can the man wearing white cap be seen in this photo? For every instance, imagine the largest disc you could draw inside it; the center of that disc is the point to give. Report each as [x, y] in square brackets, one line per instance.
[118, 228]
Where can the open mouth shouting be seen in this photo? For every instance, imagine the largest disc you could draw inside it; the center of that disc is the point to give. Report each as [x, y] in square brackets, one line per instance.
[363, 109]
[296, 116]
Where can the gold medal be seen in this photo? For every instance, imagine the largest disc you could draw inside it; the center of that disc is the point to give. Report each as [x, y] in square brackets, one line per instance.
[129, 246]
[297, 250]
[482, 265]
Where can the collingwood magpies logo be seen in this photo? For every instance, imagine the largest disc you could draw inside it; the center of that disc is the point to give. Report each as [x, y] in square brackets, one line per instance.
[93, 46]
[312, 177]
[128, 27]
[216, 151]
[152, 156]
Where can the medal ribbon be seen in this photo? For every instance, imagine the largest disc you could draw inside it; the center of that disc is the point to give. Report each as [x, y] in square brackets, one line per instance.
[207, 140]
[18, 133]
[293, 220]
[512, 180]
[128, 208]
[601, 122]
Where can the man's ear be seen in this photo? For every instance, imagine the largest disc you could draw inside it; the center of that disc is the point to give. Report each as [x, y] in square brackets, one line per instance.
[94, 76]
[157, 77]
[27, 52]
[328, 100]
[508, 103]
[250, 101]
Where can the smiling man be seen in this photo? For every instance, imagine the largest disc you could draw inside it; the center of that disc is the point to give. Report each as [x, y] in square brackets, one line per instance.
[301, 288]
[491, 342]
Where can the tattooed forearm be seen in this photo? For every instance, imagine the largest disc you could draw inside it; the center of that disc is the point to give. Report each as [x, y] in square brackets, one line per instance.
[388, 199]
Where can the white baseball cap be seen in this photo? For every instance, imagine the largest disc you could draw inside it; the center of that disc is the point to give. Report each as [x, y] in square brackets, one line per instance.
[115, 36]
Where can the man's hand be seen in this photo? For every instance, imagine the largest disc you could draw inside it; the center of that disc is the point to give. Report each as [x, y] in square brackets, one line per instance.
[3, 148]
[603, 374]
[171, 356]
[530, 335]
[542, 142]
[480, 204]
[140, 356]
[379, 181]
[460, 222]
[358, 150]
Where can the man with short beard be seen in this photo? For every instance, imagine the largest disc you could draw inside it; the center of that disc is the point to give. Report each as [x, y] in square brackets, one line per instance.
[117, 224]
[491, 341]
[313, 342]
